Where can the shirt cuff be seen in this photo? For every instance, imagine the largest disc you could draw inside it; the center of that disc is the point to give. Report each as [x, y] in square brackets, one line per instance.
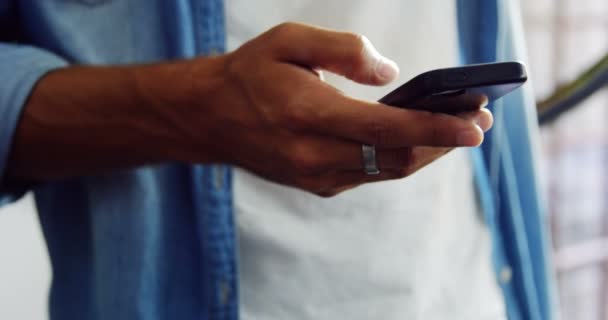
[20, 69]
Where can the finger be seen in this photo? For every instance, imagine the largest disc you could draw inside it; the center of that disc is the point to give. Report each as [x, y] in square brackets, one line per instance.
[313, 155]
[333, 183]
[423, 156]
[336, 182]
[451, 104]
[333, 114]
[341, 155]
[347, 54]
[484, 121]
[418, 158]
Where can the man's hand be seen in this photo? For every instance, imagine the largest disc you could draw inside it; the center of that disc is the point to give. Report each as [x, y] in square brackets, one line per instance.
[262, 107]
[271, 114]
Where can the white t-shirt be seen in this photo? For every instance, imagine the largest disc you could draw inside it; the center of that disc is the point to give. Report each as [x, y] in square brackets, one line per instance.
[416, 248]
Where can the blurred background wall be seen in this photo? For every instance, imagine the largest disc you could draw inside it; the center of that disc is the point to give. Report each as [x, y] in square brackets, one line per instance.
[24, 264]
[564, 37]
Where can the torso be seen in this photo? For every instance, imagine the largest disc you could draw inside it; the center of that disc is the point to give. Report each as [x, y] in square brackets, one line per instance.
[410, 249]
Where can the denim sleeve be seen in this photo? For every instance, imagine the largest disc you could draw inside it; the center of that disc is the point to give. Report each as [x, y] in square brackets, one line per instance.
[21, 67]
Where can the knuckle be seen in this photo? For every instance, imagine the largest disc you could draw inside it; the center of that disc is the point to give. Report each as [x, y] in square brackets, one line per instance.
[282, 30]
[408, 165]
[435, 129]
[437, 138]
[302, 160]
[297, 113]
[358, 44]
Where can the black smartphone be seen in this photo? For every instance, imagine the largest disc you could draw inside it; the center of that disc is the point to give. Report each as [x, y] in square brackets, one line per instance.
[460, 89]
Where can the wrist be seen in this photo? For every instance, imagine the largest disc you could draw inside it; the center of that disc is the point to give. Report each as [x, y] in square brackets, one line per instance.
[179, 99]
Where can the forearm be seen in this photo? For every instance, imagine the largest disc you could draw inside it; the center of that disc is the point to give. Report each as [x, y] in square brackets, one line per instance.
[86, 120]
[259, 107]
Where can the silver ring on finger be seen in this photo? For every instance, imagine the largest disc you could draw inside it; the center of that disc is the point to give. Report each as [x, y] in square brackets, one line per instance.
[368, 154]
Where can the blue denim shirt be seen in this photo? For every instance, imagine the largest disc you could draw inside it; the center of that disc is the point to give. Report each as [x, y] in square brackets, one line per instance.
[151, 243]
[157, 242]
[506, 165]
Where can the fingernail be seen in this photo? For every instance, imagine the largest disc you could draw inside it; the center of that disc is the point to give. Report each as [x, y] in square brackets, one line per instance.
[484, 121]
[387, 70]
[484, 103]
[470, 137]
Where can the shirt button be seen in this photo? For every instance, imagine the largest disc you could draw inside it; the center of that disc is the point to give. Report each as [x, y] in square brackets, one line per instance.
[224, 293]
[506, 275]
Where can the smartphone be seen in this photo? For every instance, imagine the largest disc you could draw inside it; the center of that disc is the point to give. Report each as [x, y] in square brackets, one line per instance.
[460, 89]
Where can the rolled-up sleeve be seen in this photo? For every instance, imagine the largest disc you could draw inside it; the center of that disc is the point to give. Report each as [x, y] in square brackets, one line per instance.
[21, 67]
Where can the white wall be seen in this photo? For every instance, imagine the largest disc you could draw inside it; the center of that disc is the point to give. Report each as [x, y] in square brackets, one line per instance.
[24, 265]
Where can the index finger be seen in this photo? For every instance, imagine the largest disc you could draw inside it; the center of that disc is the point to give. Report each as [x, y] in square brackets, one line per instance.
[385, 126]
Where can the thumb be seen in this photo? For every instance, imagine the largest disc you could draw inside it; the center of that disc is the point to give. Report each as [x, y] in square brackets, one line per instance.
[370, 67]
[347, 54]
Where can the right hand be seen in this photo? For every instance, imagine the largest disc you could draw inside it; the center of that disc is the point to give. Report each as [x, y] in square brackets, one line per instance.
[270, 113]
